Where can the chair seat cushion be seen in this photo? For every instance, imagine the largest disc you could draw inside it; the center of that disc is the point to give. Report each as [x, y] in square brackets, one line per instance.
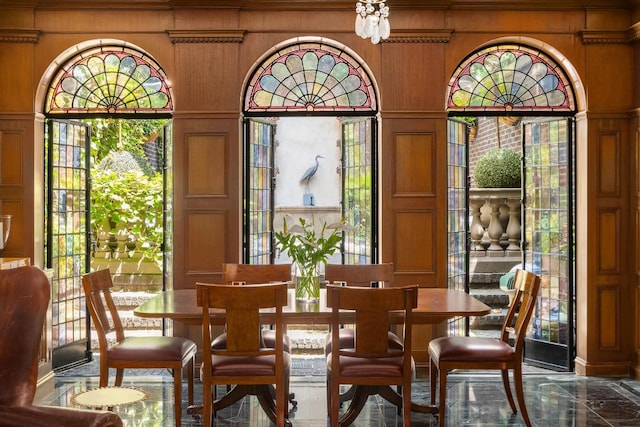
[470, 349]
[370, 367]
[152, 349]
[347, 340]
[246, 366]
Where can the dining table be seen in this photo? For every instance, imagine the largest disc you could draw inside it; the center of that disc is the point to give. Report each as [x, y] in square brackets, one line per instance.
[435, 305]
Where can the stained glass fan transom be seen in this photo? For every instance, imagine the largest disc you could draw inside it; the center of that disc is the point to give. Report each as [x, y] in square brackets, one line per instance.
[510, 78]
[109, 80]
[310, 77]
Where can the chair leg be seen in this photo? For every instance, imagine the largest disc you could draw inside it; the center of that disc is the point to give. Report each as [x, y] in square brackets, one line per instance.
[207, 402]
[442, 393]
[432, 381]
[177, 395]
[507, 389]
[119, 374]
[104, 372]
[517, 379]
[190, 375]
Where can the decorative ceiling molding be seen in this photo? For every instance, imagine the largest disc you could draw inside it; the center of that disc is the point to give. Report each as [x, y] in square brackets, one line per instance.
[19, 36]
[206, 36]
[420, 36]
[605, 37]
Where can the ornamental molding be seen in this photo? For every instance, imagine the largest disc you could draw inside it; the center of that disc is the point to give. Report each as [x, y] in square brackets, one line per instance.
[19, 36]
[413, 36]
[605, 37]
[206, 36]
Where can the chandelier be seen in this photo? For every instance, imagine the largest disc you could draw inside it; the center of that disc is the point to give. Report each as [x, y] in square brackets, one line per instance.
[371, 22]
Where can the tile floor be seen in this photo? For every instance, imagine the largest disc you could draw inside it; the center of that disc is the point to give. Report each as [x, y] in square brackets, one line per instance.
[473, 398]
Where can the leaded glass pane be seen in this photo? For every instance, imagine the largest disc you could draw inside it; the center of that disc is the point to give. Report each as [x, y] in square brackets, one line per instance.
[110, 80]
[310, 77]
[509, 78]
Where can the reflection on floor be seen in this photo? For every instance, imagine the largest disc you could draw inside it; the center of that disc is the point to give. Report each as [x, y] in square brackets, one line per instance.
[474, 399]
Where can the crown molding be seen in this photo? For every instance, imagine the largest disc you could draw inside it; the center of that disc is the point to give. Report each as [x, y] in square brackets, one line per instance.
[19, 36]
[413, 36]
[206, 36]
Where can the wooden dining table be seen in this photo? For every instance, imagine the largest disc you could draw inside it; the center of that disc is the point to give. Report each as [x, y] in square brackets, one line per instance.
[435, 305]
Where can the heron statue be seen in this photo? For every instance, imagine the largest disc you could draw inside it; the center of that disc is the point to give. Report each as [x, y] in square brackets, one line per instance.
[309, 173]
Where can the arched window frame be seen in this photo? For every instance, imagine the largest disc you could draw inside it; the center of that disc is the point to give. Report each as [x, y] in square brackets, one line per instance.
[510, 78]
[111, 80]
[310, 77]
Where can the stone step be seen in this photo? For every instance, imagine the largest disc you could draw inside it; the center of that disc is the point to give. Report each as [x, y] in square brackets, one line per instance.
[494, 298]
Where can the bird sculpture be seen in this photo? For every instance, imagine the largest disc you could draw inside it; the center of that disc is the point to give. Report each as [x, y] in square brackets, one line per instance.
[309, 173]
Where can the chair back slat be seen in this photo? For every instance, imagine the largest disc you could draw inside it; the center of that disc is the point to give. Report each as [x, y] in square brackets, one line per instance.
[255, 273]
[527, 286]
[372, 307]
[242, 305]
[359, 274]
[104, 313]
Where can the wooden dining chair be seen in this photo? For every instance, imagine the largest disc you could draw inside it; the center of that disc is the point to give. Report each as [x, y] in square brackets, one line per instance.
[245, 361]
[447, 353]
[358, 275]
[254, 274]
[148, 352]
[372, 366]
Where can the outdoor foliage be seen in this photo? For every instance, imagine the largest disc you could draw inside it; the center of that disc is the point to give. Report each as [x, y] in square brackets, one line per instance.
[132, 202]
[499, 168]
[126, 194]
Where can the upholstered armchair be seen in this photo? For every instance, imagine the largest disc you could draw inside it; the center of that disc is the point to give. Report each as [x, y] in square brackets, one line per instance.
[24, 298]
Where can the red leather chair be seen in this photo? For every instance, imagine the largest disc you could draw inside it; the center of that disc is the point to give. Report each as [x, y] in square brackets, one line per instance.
[447, 353]
[136, 352]
[24, 299]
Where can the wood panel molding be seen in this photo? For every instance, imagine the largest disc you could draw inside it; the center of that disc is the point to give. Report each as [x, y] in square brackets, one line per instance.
[608, 232]
[415, 155]
[205, 241]
[609, 164]
[11, 157]
[608, 303]
[415, 234]
[206, 165]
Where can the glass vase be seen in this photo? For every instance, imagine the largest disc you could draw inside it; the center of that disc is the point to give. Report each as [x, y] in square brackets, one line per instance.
[307, 283]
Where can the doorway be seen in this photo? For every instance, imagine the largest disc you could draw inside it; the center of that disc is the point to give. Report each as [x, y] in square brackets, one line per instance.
[310, 106]
[526, 84]
[107, 81]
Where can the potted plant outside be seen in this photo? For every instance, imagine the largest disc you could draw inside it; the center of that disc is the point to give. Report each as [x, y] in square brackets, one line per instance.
[307, 250]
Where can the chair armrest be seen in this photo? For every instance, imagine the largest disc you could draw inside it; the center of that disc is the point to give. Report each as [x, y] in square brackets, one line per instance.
[47, 416]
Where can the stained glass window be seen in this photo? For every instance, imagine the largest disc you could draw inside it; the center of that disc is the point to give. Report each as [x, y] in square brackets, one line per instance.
[109, 79]
[510, 78]
[310, 77]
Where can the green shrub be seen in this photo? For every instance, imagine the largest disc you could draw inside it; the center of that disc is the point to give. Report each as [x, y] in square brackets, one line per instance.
[499, 168]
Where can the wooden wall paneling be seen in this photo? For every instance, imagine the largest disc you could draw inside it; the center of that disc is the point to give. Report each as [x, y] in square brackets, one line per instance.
[609, 317]
[609, 248]
[205, 243]
[206, 159]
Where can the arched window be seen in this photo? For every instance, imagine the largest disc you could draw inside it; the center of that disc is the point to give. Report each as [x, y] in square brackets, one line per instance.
[111, 80]
[510, 78]
[310, 77]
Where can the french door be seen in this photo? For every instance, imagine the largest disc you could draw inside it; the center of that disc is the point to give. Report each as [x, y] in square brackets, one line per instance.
[548, 246]
[67, 242]
[359, 195]
[259, 185]
[458, 216]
